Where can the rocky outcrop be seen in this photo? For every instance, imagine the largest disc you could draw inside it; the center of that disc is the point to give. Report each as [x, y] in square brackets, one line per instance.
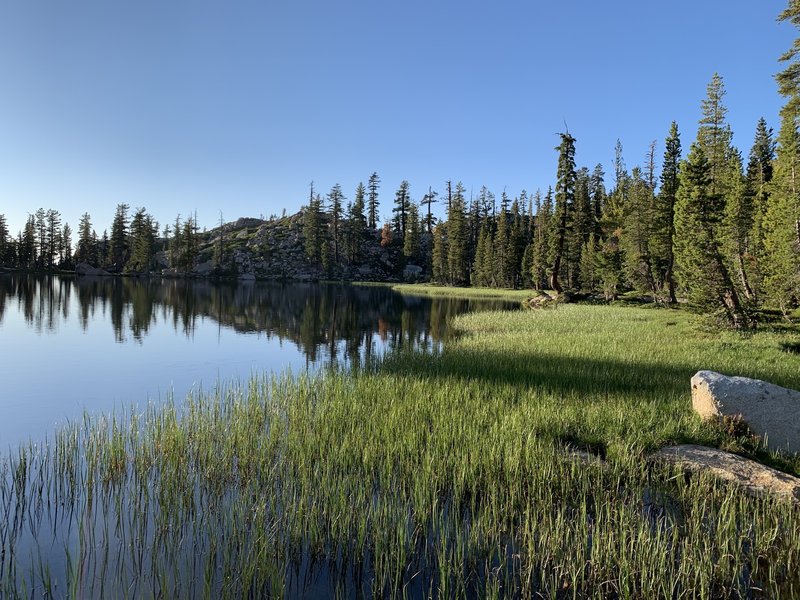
[246, 222]
[753, 477]
[275, 250]
[770, 411]
[541, 300]
[88, 270]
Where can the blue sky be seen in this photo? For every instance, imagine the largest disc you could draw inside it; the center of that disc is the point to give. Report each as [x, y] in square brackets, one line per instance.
[203, 106]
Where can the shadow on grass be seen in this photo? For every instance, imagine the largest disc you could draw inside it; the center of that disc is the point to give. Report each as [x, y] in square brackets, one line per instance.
[591, 382]
[550, 372]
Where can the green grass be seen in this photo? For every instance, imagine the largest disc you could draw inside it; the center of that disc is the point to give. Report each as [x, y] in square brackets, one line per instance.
[438, 475]
[425, 289]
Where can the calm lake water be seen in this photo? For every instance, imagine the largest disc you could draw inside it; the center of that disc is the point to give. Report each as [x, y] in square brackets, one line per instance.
[71, 345]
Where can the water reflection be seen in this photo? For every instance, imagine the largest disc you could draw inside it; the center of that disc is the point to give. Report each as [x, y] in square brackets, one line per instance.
[331, 323]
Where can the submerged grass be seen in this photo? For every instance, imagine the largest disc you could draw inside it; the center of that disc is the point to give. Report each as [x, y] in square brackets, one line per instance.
[441, 475]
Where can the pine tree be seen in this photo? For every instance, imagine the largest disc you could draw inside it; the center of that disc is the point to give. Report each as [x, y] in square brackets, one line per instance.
[428, 200]
[176, 244]
[526, 266]
[372, 203]
[637, 233]
[781, 223]
[41, 237]
[118, 247]
[335, 197]
[458, 265]
[609, 270]
[86, 252]
[166, 238]
[142, 242]
[101, 244]
[412, 236]
[26, 244]
[357, 224]
[738, 224]
[5, 242]
[663, 235]
[759, 176]
[402, 199]
[516, 245]
[701, 268]
[478, 278]
[597, 192]
[565, 201]
[526, 202]
[499, 246]
[65, 253]
[714, 135]
[439, 254]
[190, 243]
[52, 237]
[541, 242]
[327, 256]
[650, 167]
[781, 220]
[312, 228]
[727, 182]
[588, 265]
[219, 246]
[789, 79]
[583, 226]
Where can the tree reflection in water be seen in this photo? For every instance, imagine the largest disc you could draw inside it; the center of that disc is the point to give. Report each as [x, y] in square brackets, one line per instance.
[334, 323]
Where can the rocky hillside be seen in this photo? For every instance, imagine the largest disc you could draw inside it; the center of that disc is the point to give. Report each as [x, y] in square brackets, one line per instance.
[275, 250]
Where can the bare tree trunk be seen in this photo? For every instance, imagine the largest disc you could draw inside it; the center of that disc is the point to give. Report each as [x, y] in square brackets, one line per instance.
[673, 298]
[797, 231]
[748, 291]
[729, 297]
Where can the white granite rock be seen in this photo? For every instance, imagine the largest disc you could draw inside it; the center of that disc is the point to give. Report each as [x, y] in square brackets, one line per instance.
[770, 411]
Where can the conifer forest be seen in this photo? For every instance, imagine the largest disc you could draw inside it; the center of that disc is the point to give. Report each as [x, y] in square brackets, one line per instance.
[700, 220]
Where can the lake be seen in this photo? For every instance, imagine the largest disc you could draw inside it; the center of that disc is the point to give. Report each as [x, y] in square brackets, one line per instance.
[71, 345]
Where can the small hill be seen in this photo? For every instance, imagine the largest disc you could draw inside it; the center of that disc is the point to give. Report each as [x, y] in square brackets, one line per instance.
[275, 249]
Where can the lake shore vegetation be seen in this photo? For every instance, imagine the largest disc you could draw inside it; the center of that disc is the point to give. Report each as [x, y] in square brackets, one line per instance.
[713, 227]
[515, 461]
[512, 463]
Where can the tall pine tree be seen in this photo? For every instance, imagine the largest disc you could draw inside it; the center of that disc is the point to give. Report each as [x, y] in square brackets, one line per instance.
[759, 176]
[781, 223]
[701, 268]
[373, 185]
[565, 200]
[118, 247]
[457, 237]
[663, 234]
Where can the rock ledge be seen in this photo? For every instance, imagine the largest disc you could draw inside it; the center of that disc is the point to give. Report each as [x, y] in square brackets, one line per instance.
[755, 478]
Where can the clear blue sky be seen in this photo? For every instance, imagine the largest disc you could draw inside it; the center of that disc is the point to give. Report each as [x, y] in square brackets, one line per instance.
[236, 106]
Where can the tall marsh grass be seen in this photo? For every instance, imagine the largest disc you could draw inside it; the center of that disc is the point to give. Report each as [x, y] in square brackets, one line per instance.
[427, 475]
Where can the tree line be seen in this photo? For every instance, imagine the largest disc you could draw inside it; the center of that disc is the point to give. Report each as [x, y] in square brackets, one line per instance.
[711, 227]
[721, 231]
[131, 247]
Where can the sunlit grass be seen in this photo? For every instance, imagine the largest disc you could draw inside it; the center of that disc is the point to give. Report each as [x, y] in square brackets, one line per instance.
[426, 475]
[426, 289]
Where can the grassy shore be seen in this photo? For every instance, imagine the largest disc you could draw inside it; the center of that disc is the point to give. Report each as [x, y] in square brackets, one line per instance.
[426, 475]
[424, 289]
